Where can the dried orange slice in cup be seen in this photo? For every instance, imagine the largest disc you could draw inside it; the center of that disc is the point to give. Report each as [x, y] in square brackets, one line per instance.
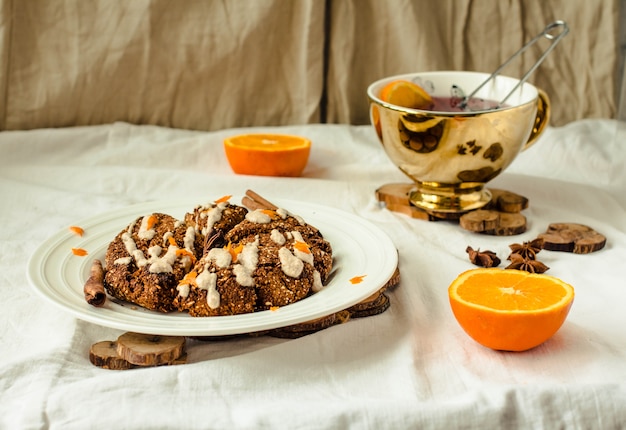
[267, 154]
[509, 310]
[406, 94]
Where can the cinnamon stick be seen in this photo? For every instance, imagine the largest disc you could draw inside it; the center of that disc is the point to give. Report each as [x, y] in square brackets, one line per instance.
[94, 287]
[254, 200]
[251, 204]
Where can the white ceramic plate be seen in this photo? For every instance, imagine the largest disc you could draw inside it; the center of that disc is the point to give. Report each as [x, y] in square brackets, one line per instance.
[359, 248]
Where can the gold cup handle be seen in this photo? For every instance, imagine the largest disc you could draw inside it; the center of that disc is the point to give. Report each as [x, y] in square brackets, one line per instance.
[541, 120]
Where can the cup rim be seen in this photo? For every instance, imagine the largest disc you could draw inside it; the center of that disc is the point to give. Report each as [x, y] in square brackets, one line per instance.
[374, 88]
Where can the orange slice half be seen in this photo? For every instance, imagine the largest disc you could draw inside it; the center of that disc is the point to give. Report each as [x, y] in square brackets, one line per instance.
[406, 94]
[509, 310]
[267, 154]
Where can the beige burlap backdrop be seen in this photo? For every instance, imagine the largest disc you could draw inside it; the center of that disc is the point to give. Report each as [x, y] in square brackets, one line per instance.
[210, 65]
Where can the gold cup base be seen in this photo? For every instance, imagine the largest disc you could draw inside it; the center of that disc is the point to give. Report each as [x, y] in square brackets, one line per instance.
[442, 198]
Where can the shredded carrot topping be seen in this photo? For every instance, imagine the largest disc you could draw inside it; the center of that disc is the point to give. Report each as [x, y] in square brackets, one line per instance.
[184, 252]
[272, 214]
[234, 252]
[223, 199]
[302, 247]
[189, 279]
[357, 279]
[274, 308]
[79, 251]
[77, 230]
[172, 241]
[151, 221]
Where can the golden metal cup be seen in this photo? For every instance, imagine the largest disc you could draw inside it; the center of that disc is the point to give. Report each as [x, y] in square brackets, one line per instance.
[452, 155]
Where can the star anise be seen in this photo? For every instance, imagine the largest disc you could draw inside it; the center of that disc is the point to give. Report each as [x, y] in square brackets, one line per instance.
[527, 250]
[482, 258]
[526, 264]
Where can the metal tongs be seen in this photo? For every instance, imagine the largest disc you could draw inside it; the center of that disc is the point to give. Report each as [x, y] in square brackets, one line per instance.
[548, 33]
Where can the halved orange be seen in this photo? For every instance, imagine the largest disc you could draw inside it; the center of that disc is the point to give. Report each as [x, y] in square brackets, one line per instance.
[509, 310]
[406, 94]
[267, 154]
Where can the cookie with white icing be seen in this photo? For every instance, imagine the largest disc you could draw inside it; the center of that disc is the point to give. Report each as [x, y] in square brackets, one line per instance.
[146, 261]
[221, 260]
[269, 261]
[280, 221]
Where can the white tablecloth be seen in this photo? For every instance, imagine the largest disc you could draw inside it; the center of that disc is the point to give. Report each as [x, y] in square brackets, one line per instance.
[410, 367]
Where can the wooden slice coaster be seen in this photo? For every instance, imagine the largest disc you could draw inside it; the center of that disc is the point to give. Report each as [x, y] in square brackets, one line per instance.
[104, 354]
[376, 307]
[316, 324]
[480, 220]
[510, 224]
[493, 222]
[396, 199]
[225, 337]
[500, 217]
[572, 237]
[393, 282]
[303, 329]
[507, 201]
[150, 350]
[180, 360]
[368, 301]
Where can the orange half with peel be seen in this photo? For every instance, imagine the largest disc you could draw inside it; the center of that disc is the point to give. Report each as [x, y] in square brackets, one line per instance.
[406, 94]
[267, 154]
[509, 310]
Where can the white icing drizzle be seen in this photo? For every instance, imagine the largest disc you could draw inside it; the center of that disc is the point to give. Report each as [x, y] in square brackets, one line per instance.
[257, 216]
[140, 259]
[123, 260]
[190, 237]
[249, 256]
[157, 264]
[164, 264]
[282, 213]
[290, 264]
[213, 215]
[131, 248]
[220, 256]
[247, 262]
[183, 290]
[277, 237]
[208, 281]
[177, 223]
[307, 257]
[317, 282]
[243, 276]
[154, 252]
[145, 232]
[213, 298]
